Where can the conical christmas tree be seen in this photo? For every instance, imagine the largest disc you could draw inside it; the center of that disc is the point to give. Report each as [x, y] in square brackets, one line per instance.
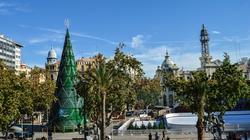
[66, 111]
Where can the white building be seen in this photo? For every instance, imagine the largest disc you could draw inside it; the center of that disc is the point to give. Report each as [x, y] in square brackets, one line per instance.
[244, 65]
[10, 52]
[167, 67]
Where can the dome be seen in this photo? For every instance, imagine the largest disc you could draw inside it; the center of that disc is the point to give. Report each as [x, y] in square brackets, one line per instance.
[167, 64]
[52, 53]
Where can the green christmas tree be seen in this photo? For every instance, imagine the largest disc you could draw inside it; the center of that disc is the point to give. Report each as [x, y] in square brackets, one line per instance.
[66, 111]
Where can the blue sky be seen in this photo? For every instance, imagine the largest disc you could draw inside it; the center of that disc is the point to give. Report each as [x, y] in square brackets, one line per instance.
[148, 28]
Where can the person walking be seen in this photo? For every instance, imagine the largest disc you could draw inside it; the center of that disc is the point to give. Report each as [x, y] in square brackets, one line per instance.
[156, 136]
[150, 136]
[163, 135]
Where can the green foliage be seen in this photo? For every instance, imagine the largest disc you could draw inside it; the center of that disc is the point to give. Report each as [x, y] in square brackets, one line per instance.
[227, 87]
[148, 92]
[131, 126]
[202, 94]
[42, 92]
[150, 126]
[143, 126]
[161, 125]
[126, 70]
[155, 126]
[17, 97]
[136, 127]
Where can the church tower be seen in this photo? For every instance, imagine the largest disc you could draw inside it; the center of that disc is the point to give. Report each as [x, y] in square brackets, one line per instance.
[52, 64]
[205, 56]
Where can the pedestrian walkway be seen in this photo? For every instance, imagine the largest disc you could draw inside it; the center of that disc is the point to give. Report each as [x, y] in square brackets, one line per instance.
[69, 136]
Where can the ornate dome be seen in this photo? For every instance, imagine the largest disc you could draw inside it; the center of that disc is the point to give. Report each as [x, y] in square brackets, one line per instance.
[167, 64]
[52, 53]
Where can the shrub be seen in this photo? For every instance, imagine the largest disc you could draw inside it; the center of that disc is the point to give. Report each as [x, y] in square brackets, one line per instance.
[143, 126]
[150, 126]
[136, 126]
[161, 125]
[155, 126]
[131, 126]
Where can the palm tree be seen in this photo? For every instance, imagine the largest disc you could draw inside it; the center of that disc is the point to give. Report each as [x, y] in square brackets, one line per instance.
[102, 80]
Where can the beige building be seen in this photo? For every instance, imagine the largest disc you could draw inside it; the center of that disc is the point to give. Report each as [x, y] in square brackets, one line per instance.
[244, 65]
[24, 69]
[84, 64]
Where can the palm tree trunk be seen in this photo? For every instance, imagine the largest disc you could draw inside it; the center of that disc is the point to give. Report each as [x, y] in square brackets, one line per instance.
[200, 114]
[103, 116]
[200, 129]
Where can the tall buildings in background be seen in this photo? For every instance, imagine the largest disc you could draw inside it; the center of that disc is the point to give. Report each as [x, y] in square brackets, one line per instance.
[10, 53]
[207, 65]
[52, 64]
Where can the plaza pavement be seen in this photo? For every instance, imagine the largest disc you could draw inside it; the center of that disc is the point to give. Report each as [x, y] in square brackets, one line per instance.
[69, 136]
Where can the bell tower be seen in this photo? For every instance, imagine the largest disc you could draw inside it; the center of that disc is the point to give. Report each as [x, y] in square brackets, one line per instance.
[204, 39]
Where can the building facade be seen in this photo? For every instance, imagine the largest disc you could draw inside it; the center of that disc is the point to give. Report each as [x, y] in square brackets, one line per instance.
[10, 53]
[167, 67]
[84, 64]
[244, 66]
[52, 64]
[24, 69]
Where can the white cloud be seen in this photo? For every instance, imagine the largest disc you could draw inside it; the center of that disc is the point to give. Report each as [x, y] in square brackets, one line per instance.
[46, 38]
[72, 33]
[153, 57]
[37, 40]
[153, 54]
[7, 8]
[94, 37]
[137, 41]
[215, 32]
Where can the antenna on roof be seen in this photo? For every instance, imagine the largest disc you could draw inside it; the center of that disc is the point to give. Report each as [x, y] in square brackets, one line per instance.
[66, 23]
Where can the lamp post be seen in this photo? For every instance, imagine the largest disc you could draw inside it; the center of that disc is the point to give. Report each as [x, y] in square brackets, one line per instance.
[32, 125]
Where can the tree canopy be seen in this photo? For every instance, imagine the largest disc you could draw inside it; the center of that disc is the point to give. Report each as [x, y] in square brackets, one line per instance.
[204, 94]
[120, 93]
[19, 96]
